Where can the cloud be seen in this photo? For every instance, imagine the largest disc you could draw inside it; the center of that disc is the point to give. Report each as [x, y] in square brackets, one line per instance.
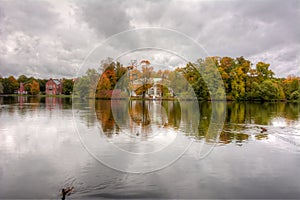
[230, 28]
[42, 39]
[105, 17]
[32, 17]
[46, 38]
[285, 60]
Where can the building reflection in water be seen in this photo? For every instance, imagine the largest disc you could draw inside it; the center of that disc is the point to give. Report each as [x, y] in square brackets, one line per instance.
[53, 103]
[28, 102]
[22, 100]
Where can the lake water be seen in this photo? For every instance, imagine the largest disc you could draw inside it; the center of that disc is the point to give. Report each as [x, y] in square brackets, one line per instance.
[150, 149]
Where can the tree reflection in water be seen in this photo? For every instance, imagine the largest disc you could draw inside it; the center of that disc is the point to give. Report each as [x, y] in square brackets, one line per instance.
[137, 118]
[243, 120]
[139, 113]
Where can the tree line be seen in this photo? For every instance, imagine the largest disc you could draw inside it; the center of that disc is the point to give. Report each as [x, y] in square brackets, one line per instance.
[32, 86]
[242, 80]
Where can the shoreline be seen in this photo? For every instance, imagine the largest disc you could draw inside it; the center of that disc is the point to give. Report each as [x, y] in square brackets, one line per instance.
[148, 98]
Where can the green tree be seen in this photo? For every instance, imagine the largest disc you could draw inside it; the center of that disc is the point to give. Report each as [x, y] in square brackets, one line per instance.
[192, 75]
[10, 85]
[294, 85]
[211, 75]
[81, 87]
[295, 95]
[244, 64]
[177, 82]
[86, 85]
[281, 94]
[42, 83]
[119, 71]
[290, 85]
[1, 88]
[268, 91]
[67, 86]
[23, 79]
[263, 71]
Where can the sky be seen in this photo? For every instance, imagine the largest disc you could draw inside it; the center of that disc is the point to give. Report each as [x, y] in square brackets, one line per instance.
[54, 38]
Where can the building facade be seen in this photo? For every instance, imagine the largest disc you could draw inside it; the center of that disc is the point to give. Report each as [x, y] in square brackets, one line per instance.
[53, 87]
[22, 90]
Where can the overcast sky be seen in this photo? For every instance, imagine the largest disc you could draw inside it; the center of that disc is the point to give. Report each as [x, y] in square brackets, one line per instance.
[52, 38]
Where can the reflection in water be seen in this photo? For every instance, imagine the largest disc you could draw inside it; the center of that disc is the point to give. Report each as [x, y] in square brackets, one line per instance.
[139, 112]
[242, 120]
[261, 136]
[105, 117]
[40, 152]
[53, 102]
[137, 117]
[24, 104]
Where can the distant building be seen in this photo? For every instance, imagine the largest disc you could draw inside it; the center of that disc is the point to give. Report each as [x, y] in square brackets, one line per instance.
[155, 90]
[22, 90]
[53, 87]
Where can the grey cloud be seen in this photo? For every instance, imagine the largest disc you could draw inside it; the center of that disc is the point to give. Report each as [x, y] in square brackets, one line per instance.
[106, 17]
[284, 60]
[27, 16]
[39, 39]
[229, 28]
[54, 38]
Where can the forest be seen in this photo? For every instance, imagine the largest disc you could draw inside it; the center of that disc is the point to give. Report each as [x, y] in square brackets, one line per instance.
[241, 81]
[33, 86]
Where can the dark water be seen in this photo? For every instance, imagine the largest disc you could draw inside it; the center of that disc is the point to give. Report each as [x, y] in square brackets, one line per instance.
[152, 149]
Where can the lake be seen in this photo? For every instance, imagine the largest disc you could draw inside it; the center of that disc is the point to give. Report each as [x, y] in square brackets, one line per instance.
[148, 149]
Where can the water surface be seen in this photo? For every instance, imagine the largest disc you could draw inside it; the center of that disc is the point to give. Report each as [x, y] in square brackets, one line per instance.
[50, 143]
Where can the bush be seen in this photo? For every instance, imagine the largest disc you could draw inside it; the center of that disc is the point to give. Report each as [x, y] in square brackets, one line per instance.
[295, 95]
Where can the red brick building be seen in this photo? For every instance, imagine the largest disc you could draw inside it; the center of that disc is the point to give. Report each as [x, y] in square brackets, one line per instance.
[21, 90]
[53, 87]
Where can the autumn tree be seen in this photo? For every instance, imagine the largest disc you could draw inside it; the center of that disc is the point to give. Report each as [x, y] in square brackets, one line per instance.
[34, 87]
[238, 83]
[145, 76]
[291, 86]
[111, 73]
[225, 65]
